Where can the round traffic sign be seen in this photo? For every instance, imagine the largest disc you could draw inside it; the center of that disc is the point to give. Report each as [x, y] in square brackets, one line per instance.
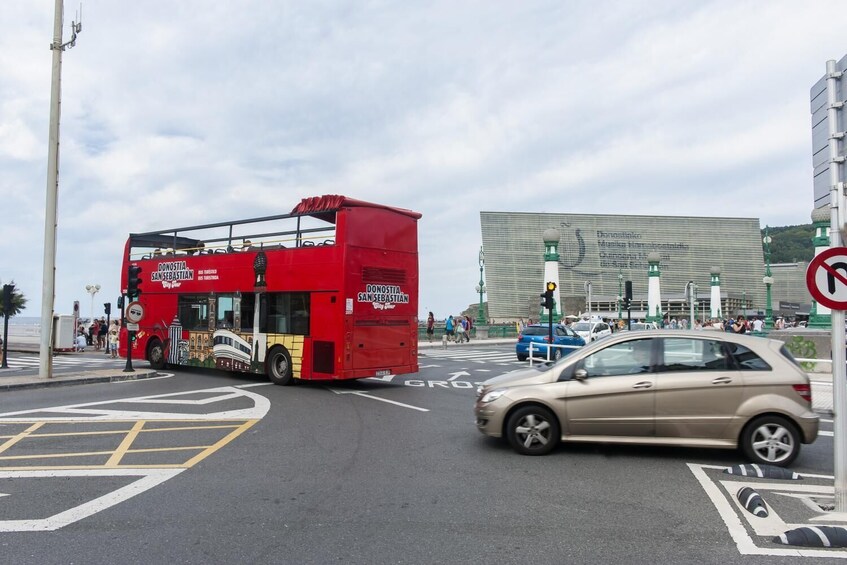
[826, 278]
[134, 312]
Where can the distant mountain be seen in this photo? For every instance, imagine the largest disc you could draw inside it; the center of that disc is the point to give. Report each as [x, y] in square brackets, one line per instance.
[791, 243]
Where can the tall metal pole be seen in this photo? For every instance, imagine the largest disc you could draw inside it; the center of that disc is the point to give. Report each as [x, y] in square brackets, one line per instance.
[768, 280]
[691, 291]
[48, 294]
[837, 219]
[481, 288]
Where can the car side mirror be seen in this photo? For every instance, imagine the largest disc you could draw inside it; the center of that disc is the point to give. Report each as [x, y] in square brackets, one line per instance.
[580, 374]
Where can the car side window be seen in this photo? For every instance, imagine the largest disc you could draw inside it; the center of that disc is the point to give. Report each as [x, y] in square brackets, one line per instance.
[560, 332]
[627, 358]
[746, 359]
[685, 354]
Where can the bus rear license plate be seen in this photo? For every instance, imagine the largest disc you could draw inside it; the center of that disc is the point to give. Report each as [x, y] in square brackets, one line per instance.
[383, 373]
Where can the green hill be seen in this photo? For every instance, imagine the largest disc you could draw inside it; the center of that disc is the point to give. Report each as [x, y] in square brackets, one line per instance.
[791, 243]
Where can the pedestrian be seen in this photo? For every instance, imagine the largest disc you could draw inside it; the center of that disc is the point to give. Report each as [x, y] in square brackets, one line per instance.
[430, 326]
[460, 330]
[740, 325]
[758, 325]
[113, 339]
[468, 327]
[101, 334]
[80, 341]
[449, 328]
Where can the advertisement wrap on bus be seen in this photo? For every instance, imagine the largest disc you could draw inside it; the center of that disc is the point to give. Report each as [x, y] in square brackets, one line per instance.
[328, 291]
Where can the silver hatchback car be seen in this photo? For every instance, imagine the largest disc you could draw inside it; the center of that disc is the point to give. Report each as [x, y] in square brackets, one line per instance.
[663, 387]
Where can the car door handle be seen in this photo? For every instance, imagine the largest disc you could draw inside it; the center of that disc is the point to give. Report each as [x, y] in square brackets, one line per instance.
[722, 380]
[643, 384]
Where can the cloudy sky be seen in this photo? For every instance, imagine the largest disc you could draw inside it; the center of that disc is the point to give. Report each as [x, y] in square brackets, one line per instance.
[175, 113]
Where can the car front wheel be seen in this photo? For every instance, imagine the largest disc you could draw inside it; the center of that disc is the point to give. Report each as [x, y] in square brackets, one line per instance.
[533, 430]
[771, 440]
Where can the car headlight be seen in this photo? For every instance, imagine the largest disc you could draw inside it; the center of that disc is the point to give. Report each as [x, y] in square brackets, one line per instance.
[493, 395]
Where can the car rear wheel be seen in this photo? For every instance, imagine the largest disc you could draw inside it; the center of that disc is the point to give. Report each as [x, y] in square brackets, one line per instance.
[522, 357]
[771, 440]
[533, 430]
[557, 354]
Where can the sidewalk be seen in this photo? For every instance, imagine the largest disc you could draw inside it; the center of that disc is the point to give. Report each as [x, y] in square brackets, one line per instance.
[17, 378]
[9, 380]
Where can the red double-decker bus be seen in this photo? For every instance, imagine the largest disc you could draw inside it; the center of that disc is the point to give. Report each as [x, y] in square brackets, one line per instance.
[329, 291]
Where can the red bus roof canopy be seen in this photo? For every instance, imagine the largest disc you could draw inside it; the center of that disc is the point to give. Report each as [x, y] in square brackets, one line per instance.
[323, 207]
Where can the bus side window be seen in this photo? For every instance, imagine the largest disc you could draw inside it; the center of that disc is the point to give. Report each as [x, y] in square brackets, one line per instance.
[248, 305]
[193, 311]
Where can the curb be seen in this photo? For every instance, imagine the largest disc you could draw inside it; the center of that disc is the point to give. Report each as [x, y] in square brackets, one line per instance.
[83, 379]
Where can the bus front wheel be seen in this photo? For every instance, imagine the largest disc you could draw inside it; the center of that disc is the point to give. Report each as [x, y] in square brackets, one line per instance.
[156, 354]
[278, 366]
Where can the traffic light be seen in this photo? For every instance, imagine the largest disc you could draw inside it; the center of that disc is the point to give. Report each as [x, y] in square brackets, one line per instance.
[627, 295]
[121, 302]
[547, 296]
[107, 307]
[133, 281]
[8, 289]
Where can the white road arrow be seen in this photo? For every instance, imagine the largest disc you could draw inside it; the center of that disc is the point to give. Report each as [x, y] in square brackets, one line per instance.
[454, 376]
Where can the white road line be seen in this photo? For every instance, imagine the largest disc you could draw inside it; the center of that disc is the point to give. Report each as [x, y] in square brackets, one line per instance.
[88, 412]
[149, 479]
[366, 395]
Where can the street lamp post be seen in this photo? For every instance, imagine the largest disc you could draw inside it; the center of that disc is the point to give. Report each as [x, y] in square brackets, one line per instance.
[691, 296]
[480, 288]
[768, 280]
[587, 287]
[92, 289]
[744, 299]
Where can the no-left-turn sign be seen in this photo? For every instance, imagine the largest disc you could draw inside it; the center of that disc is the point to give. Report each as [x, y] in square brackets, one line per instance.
[826, 278]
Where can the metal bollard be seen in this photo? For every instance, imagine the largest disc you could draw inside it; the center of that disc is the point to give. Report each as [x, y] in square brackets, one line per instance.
[444, 341]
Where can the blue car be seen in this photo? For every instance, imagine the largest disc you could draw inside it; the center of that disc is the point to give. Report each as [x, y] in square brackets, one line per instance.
[539, 335]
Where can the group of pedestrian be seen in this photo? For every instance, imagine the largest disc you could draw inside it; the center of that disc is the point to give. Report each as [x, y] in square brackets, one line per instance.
[99, 335]
[455, 329]
[95, 334]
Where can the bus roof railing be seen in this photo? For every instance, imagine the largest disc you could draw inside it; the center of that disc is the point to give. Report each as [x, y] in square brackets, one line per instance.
[320, 208]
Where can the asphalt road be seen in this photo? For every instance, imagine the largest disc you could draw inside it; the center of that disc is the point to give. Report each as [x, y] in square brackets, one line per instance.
[367, 471]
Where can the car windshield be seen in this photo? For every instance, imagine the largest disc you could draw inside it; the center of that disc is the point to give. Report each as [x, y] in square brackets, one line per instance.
[581, 327]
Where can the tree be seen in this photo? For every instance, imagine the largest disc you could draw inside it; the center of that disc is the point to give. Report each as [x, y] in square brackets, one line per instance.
[18, 301]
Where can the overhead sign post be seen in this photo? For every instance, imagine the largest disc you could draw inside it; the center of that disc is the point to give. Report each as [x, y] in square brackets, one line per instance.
[829, 278]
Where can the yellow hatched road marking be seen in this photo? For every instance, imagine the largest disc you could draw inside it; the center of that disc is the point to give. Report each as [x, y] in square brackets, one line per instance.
[115, 459]
[229, 437]
[16, 438]
[125, 447]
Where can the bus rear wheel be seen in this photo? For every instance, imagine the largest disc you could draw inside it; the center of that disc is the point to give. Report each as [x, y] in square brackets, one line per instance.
[278, 366]
[156, 354]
